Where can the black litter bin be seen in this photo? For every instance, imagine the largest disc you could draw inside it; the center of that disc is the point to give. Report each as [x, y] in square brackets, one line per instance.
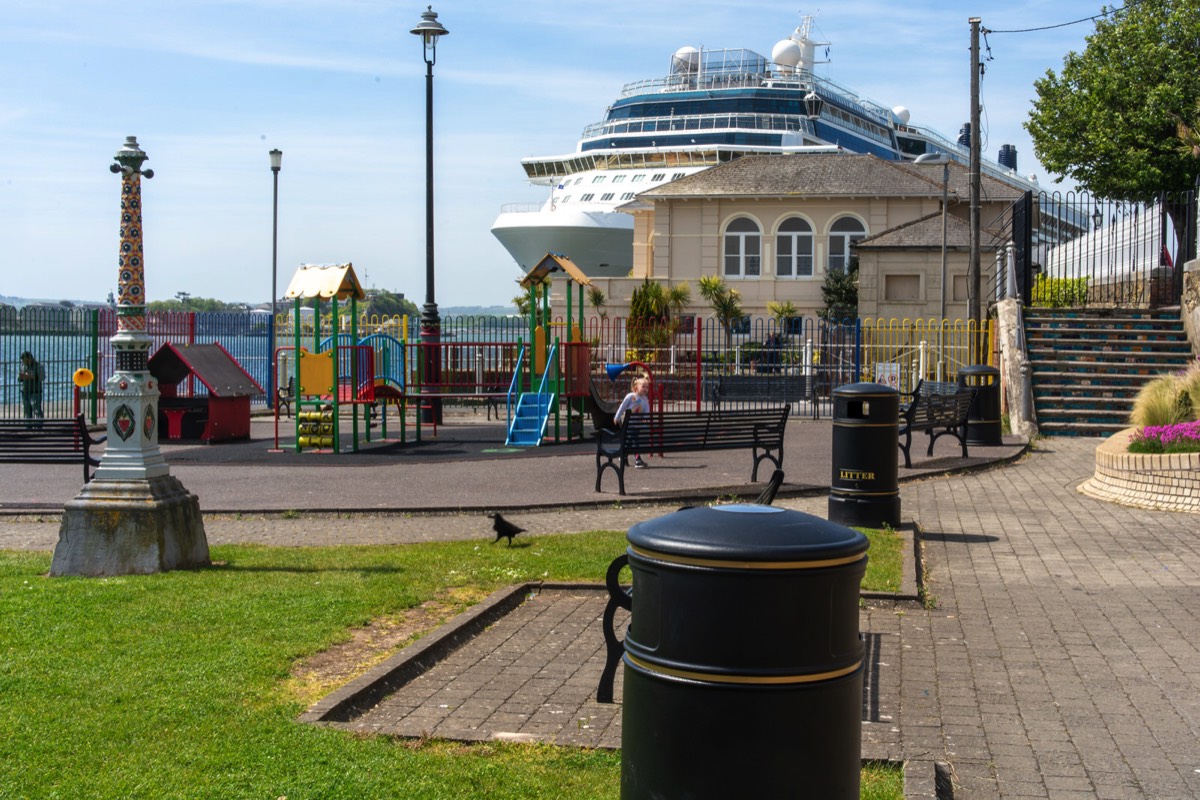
[865, 488]
[743, 665]
[983, 418]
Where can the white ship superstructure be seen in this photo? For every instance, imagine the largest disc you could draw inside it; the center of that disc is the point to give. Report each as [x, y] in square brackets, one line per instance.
[713, 106]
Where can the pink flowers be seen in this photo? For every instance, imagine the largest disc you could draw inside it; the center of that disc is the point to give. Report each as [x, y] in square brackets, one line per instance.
[1183, 437]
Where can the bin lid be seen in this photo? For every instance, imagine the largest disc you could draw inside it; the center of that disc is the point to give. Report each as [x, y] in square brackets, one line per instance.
[754, 534]
[865, 390]
[978, 369]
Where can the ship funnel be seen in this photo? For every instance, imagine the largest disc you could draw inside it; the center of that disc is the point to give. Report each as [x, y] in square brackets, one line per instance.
[1008, 157]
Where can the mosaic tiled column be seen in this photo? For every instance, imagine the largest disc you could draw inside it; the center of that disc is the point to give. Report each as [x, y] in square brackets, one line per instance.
[134, 516]
[131, 393]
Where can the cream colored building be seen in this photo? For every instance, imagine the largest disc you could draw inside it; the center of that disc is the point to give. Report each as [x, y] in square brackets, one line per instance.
[772, 226]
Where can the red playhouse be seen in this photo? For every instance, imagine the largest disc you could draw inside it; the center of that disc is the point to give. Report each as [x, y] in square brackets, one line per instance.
[221, 415]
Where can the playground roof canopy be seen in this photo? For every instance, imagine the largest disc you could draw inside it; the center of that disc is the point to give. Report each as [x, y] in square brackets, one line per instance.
[553, 262]
[211, 364]
[325, 281]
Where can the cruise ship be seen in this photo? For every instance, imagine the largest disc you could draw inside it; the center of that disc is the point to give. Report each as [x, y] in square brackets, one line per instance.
[712, 107]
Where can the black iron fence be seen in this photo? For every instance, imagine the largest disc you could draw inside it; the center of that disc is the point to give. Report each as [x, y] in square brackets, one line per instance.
[695, 362]
[1075, 250]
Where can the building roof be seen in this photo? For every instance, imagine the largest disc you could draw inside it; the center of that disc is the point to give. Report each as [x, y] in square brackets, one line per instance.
[926, 232]
[826, 175]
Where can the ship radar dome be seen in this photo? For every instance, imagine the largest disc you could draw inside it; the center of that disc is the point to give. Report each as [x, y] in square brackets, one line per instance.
[786, 54]
[686, 59]
[901, 114]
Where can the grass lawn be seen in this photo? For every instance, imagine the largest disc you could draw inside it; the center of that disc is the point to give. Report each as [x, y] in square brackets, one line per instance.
[177, 685]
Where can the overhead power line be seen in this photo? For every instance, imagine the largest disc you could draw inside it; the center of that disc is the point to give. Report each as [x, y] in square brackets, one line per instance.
[1059, 25]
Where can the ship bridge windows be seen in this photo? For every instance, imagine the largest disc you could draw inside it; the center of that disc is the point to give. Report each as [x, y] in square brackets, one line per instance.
[742, 249]
[587, 198]
[844, 232]
[639, 178]
[604, 198]
[794, 249]
[678, 175]
[658, 177]
[618, 178]
[599, 179]
[627, 196]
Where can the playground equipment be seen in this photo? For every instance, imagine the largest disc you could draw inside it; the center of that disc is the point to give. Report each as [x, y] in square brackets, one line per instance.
[549, 371]
[331, 374]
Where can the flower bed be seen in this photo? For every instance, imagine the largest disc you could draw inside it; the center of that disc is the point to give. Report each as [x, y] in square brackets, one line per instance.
[1161, 481]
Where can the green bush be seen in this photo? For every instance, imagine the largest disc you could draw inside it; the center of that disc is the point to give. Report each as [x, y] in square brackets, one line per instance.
[1167, 400]
[1059, 292]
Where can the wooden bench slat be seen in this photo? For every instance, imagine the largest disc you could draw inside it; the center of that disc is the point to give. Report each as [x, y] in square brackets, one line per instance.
[48, 441]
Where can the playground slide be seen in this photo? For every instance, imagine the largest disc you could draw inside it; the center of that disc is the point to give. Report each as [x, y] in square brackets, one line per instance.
[601, 410]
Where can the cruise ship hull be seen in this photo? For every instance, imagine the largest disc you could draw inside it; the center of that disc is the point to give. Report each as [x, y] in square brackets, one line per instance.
[600, 243]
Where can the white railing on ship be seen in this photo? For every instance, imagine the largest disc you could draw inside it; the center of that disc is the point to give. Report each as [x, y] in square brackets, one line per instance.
[699, 122]
[520, 208]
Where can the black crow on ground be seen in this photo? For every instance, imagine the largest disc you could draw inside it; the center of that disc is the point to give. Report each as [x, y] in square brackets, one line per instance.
[504, 528]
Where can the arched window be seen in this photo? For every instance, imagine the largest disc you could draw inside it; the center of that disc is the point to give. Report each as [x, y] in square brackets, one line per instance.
[844, 232]
[794, 249]
[743, 248]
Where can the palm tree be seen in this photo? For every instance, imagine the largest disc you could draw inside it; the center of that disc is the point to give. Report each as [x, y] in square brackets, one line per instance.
[725, 302]
[598, 301]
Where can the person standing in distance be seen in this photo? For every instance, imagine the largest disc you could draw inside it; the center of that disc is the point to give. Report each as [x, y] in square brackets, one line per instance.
[32, 376]
[636, 402]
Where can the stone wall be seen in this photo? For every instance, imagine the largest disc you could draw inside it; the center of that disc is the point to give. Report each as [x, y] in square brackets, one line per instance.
[1189, 303]
[1160, 482]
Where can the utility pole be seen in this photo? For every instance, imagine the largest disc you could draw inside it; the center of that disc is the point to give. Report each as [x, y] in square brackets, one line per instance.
[973, 304]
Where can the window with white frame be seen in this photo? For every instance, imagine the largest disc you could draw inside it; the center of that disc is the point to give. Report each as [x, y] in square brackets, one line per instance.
[743, 248]
[794, 249]
[845, 231]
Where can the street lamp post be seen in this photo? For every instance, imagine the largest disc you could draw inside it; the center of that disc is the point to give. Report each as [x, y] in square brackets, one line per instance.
[430, 30]
[276, 164]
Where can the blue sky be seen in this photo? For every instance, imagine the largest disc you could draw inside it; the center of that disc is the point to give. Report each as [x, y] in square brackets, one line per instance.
[209, 86]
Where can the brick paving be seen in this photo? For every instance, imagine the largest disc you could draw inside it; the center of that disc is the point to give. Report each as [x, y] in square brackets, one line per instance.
[1060, 661]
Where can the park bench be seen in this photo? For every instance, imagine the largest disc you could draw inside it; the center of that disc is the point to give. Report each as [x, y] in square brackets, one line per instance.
[761, 388]
[938, 408]
[48, 441]
[758, 430]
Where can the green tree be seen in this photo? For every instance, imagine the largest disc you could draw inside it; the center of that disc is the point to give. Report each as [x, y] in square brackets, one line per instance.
[382, 303]
[726, 303]
[840, 292]
[650, 312]
[1109, 118]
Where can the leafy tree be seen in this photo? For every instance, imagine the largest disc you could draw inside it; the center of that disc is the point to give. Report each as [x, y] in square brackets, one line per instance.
[382, 303]
[840, 292]
[650, 311]
[1109, 119]
[185, 302]
[725, 302]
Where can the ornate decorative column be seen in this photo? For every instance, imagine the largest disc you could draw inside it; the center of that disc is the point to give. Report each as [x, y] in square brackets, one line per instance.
[131, 393]
[134, 517]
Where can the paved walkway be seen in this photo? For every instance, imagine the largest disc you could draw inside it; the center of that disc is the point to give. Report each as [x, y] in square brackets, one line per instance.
[1061, 659]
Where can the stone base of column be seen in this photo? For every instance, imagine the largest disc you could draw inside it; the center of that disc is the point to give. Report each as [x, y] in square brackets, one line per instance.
[131, 528]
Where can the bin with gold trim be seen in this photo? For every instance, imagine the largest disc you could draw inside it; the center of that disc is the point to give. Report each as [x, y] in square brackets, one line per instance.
[743, 665]
[865, 488]
[983, 419]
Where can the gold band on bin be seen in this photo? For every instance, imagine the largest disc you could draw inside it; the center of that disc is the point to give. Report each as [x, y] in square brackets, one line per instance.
[766, 565]
[812, 677]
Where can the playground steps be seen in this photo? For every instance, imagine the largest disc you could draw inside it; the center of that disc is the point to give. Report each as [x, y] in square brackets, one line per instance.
[1088, 366]
[529, 419]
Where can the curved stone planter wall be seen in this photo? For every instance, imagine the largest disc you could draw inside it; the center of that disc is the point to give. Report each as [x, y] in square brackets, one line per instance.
[1161, 482]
